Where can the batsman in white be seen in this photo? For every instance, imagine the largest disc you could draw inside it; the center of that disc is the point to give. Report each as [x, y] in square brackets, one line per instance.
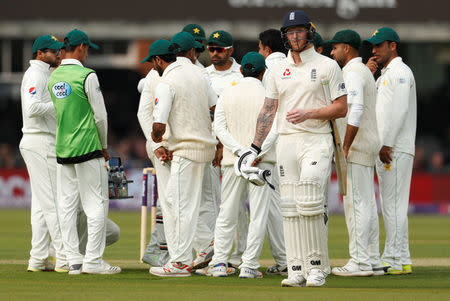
[225, 72]
[396, 112]
[294, 92]
[272, 48]
[81, 154]
[38, 151]
[361, 147]
[234, 125]
[193, 148]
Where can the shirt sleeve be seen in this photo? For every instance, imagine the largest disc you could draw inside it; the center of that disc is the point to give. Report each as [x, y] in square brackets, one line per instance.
[355, 88]
[34, 102]
[270, 85]
[145, 110]
[336, 79]
[95, 98]
[212, 96]
[221, 130]
[164, 96]
[398, 88]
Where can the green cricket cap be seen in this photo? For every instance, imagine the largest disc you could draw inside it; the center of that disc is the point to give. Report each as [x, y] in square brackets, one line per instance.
[383, 34]
[317, 41]
[77, 37]
[254, 62]
[221, 38]
[159, 47]
[185, 40]
[347, 36]
[46, 42]
[199, 47]
[196, 31]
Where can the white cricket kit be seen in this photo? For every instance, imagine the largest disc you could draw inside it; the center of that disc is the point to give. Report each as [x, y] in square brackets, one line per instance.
[193, 147]
[275, 235]
[221, 80]
[234, 124]
[37, 147]
[359, 204]
[396, 111]
[304, 154]
[86, 182]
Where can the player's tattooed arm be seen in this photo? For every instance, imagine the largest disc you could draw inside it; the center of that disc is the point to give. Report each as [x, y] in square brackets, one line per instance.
[265, 120]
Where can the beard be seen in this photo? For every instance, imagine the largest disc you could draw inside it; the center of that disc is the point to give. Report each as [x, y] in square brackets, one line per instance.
[159, 69]
[215, 60]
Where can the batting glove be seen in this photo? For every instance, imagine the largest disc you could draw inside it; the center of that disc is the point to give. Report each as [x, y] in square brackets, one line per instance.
[245, 160]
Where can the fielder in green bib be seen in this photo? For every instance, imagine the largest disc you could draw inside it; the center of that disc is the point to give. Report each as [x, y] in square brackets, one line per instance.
[77, 138]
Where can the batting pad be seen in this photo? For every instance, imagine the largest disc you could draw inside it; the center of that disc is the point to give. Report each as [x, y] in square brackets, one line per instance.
[309, 198]
[287, 196]
[292, 241]
[314, 243]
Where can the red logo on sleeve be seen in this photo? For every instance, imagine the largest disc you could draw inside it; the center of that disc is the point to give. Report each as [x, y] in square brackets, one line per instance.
[156, 101]
[32, 90]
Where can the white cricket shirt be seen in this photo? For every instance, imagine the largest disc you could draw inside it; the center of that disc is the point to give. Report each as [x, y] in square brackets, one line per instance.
[224, 79]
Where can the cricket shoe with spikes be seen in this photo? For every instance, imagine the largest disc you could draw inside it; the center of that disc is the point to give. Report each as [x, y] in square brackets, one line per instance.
[172, 269]
[250, 273]
[204, 257]
[296, 280]
[104, 269]
[207, 271]
[351, 270]
[315, 278]
[219, 270]
[277, 270]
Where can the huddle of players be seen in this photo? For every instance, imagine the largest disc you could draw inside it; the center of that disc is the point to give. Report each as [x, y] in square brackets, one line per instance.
[280, 100]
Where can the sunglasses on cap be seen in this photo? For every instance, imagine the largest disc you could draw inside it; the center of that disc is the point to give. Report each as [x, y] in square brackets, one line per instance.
[218, 49]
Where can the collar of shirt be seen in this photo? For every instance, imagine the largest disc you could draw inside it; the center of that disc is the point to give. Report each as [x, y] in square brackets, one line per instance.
[391, 64]
[305, 56]
[71, 62]
[171, 67]
[250, 79]
[273, 58]
[352, 61]
[235, 67]
[183, 60]
[41, 65]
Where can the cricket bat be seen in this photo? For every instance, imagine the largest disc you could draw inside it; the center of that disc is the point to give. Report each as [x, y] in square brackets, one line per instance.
[339, 157]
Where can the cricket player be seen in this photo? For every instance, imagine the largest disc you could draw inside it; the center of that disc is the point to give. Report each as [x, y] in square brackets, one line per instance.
[81, 153]
[318, 43]
[304, 151]
[200, 38]
[37, 147]
[396, 112]
[234, 125]
[225, 72]
[193, 147]
[272, 48]
[156, 253]
[360, 147]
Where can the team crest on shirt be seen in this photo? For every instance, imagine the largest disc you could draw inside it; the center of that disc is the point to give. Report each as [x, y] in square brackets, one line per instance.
[313, 75]
[341, 87]
[61, 90]
[286, 74]
[32, 90]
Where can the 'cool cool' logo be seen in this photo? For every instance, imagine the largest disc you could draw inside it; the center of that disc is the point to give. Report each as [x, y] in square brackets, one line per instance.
[61, 90]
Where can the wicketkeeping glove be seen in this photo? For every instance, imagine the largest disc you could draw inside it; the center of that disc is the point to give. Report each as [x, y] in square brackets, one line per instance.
[245, 160]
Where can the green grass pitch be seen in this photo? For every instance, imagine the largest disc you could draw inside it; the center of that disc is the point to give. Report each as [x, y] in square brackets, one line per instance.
[429, 239]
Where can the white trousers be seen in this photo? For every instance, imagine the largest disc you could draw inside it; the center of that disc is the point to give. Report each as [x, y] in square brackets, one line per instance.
[86, 182]
[183, 198]
[38, 152]
[112, 231]
[361, 216]
[395, 180]
[235, 191]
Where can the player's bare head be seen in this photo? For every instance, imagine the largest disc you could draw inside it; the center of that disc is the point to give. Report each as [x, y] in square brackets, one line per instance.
[385, 42]
[345, 46]
[47, 48]
[297, 31]
[220, 47]
[270, 41]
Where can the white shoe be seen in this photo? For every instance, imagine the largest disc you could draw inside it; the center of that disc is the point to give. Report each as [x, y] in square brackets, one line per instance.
[62, 269]
[277, 270]
[104, 269]
[296, 280]
[219, 270]
[204, 257]
[206, 271]
[175, 269]
[315, 278]
[250, 273]
[75, 269]
[351, 270]
[379, 271]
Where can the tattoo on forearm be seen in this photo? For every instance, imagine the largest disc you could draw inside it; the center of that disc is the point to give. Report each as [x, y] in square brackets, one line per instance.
[265, 120]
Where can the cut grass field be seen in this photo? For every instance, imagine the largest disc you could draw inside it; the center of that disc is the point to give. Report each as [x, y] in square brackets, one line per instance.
[430, 249]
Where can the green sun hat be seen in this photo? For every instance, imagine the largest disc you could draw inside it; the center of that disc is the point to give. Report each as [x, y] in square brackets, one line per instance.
[196, 31]
[77, 37]
[221, 38]
[184, 40]
[46, 42]
[253, 62]
[383, 34]
[158, 47]
[317, 41]
[347, 36]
